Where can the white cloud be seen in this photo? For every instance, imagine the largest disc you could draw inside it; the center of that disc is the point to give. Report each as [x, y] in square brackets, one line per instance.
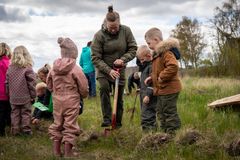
[80, 21]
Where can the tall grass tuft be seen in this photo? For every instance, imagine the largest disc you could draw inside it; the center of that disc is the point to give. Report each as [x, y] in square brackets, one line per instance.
[217, 129]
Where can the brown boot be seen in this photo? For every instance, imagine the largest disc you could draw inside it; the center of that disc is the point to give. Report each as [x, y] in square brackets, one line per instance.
[68, 151]
[57, 148]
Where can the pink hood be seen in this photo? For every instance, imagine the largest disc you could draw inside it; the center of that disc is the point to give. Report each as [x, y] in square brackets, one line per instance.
[63, 66]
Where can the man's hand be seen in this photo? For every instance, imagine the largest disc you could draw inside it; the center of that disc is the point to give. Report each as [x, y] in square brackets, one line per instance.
[114, 74]
[146, 100]
[118, 62]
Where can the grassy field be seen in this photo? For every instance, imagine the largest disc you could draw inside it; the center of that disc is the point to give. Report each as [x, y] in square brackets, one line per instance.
[217, 129]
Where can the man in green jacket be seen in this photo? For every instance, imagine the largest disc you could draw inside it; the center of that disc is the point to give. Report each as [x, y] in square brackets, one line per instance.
[113, 45]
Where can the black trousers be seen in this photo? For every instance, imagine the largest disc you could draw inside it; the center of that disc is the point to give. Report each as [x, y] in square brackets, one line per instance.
[37, 113]
[148, 113]
[106, 103]
[5, 118]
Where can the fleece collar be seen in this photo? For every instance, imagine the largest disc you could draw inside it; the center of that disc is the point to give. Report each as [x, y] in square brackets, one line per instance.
[165, 46]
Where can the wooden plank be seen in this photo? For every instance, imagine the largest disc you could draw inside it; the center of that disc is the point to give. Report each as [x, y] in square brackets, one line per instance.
[225, 101]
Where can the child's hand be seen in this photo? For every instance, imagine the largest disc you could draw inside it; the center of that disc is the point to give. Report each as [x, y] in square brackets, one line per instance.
[35, 121]
[32, 101]
[159, 80]
[148, 80]
[146, 100]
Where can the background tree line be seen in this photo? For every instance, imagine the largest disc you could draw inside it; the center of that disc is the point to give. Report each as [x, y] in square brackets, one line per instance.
[224, 60]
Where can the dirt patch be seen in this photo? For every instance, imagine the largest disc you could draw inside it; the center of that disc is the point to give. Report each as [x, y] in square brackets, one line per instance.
[204, 143]
[208, 144]
[230, 142]
[125, 138]
[88, 136]
[153, 141]
[94, 136]
[189, 138]
[233, 149]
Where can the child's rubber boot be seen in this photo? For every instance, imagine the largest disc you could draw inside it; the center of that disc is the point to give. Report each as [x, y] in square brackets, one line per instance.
[68, 151]
[57, 148]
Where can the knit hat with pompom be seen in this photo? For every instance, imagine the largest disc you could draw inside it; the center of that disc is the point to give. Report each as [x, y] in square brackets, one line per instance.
[68, 48]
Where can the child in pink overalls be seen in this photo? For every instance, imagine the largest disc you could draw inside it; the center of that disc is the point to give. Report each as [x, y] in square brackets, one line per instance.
[68, 84]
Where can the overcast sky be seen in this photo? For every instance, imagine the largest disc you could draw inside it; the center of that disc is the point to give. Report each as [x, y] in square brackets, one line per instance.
[37, 24]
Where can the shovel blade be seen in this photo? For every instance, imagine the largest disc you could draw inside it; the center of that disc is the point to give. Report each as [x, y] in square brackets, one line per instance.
[114, 121]
[107, 132]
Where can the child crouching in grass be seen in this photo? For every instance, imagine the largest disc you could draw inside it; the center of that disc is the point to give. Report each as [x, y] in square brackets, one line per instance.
[39, 113]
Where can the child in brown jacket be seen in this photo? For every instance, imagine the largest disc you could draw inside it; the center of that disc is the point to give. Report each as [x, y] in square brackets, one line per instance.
[165, 79]
[21, 82]
[68, 84]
